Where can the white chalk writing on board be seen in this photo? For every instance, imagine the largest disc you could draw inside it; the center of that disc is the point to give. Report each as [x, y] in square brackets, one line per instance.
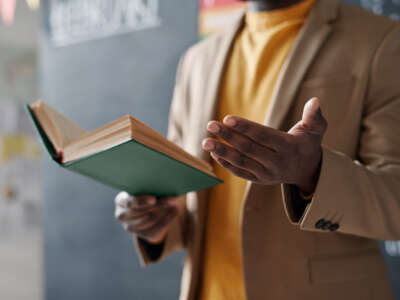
[81, 20]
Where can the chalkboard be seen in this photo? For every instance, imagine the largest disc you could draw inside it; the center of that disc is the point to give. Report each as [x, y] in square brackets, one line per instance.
[390, 8]
[101, 59]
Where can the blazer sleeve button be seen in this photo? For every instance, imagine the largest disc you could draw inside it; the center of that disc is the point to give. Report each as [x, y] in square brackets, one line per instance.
[334, 227]
[320, 223]
[326, 225]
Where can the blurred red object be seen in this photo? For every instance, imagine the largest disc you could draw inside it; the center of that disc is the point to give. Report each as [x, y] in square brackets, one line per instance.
[7, 11]
[204, 4]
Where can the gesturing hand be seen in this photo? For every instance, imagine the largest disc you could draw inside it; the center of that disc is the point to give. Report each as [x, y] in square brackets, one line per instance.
[269, 156]
[146, 216]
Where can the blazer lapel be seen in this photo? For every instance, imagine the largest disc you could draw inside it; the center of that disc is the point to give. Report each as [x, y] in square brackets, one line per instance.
[214, 81]
[311, 37]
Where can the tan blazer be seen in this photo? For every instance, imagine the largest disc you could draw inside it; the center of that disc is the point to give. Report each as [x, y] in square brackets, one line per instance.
[350, 59]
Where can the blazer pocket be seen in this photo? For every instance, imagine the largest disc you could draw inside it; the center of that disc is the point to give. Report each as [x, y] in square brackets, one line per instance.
[328, 81]
[341, 268]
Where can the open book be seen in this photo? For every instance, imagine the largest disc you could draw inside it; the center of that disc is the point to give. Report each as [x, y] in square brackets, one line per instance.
[125, 154]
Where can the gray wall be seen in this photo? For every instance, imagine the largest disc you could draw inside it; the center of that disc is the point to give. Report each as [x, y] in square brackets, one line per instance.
[87, 254]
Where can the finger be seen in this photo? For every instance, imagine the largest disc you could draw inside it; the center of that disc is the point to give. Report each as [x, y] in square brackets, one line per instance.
[145, 221]
[233, 156]
[241, 142]
[235, 170]
[167, 202]
[143, 202]
[158, 226]
[129, 214]
[123, 199]
[259, 133]
[313, 119]
[121, 212]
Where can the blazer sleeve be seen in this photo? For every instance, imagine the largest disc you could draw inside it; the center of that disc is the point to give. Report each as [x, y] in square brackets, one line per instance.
[175, 240]
[362, 196]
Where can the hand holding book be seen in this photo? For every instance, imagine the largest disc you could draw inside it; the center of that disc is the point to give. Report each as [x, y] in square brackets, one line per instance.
[146, 216]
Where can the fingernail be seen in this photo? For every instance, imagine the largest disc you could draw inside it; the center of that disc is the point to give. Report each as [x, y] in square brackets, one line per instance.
[213, 127]
[213, 155]
[171, 201]
[152, 201]
[230, 121]
[208, 145]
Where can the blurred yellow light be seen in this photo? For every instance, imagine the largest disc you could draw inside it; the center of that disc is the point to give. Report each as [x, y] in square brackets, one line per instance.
[17, 145]
[33, 4]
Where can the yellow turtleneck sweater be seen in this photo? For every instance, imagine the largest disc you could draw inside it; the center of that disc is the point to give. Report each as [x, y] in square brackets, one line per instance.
[257, 57]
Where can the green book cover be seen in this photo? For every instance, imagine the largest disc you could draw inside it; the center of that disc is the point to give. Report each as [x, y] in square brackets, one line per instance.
[135, 168]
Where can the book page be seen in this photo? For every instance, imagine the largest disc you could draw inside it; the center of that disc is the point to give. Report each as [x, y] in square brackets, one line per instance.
[60, 130]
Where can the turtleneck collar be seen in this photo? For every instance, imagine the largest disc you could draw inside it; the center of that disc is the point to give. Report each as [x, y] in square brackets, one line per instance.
[266, 19]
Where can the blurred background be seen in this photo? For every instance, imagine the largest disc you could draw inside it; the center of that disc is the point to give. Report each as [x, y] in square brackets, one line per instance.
[95, 60]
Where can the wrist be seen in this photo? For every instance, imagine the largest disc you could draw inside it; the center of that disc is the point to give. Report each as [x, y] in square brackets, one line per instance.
[306, 189]
[305, 196]
[308, 186]
[155, 242]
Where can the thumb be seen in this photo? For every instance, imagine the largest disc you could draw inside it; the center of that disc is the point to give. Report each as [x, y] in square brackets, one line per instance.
[313, 120]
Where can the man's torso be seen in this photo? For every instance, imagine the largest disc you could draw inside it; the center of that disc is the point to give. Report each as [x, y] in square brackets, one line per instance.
[332, 61]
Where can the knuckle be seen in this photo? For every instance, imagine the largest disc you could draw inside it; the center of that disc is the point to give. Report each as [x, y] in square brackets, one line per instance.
[162, 202]
[139, 201]
[247, 147]
[220, 150]
[242, 127]
[262, 137]
[144, 199]
[241, 160]
[171, 201]
[226, 134]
